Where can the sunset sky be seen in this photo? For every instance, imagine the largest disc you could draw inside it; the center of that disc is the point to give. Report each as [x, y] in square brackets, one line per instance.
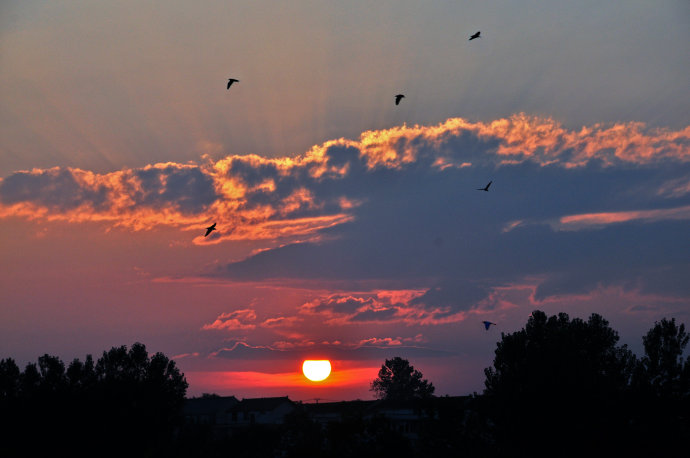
[349, 228]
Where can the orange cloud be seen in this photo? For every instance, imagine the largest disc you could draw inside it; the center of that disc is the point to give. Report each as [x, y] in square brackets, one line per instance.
[255, 198]
[588, 220]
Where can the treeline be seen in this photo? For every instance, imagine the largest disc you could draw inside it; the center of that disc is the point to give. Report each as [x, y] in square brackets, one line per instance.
[562, 387]
[126, 403]
[558, 387]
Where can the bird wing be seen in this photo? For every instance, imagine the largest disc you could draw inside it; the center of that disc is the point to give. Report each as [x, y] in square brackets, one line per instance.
[208, 231]
[487, 186]
[229, 84]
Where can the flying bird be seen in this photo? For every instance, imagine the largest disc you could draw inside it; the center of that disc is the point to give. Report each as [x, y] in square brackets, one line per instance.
[485, 188]
[210, 229]
[398, 98]
[476, 35]
[487, 324]
[232, 80]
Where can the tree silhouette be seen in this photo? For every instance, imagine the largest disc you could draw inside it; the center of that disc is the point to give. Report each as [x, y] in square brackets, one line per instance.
[9, 380]
[559, 378]
[400, 381]
[125, 404]
[660, 418]
[662, 369]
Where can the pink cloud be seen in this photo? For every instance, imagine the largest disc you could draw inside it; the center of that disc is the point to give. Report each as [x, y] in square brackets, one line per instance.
[280, 322]
[233, 321]
[386, 341]
[379, 306]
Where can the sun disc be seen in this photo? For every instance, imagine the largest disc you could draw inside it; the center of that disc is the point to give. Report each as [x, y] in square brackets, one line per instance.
[316, 370]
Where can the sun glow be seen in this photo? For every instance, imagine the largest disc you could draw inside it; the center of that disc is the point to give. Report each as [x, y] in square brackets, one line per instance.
[316, 370]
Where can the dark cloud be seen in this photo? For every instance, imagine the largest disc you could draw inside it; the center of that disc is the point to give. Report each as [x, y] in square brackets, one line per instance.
[603, 205]
[187, 189]
[374, 315]
[57, 189]
[434, 230]
[453, 295]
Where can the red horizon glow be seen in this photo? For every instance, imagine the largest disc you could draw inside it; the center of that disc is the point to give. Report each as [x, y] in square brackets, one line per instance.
[342, 383]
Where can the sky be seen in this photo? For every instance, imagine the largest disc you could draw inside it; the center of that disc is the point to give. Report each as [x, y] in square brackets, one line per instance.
[348, 228]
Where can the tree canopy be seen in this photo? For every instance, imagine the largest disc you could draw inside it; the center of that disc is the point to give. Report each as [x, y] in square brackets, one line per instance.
[558, 378]
[557, 354]
[398, 380]
[662, 370]
[127, 399]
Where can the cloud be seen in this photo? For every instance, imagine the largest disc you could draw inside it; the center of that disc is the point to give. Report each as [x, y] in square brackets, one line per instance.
[398, 208]
[675, 188]
[599, 220]
[233, 321]
[281, 322]
[382, 307]
[589, 220]
[390, 341]
[368, 348]
[187, 355]
[252, 197]
[242, 350]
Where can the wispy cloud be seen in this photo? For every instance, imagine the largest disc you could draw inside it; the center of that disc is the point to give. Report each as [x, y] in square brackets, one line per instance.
[293, 350]
[590, 220]
[598, 220]
[675, 188]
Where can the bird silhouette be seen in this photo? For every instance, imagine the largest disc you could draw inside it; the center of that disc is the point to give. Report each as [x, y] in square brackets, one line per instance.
[485, 188]
[476, 35]
[398, 98]
[487, 324]
[230, 81]
[210, 229]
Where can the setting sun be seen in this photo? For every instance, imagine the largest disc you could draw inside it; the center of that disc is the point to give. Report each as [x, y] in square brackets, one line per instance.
[316, 370]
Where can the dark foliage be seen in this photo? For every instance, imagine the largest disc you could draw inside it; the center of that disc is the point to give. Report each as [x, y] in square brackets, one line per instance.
[126, 404]
[399, 381]
[660, 416]
[662, 371]
[568, 384]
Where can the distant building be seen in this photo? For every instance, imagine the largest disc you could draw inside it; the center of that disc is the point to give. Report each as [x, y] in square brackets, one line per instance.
[260, 411]
[405, 417]
[325, 413]
[208, 410]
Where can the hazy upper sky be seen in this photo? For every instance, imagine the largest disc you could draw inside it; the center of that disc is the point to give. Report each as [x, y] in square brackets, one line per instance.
[348, 227]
